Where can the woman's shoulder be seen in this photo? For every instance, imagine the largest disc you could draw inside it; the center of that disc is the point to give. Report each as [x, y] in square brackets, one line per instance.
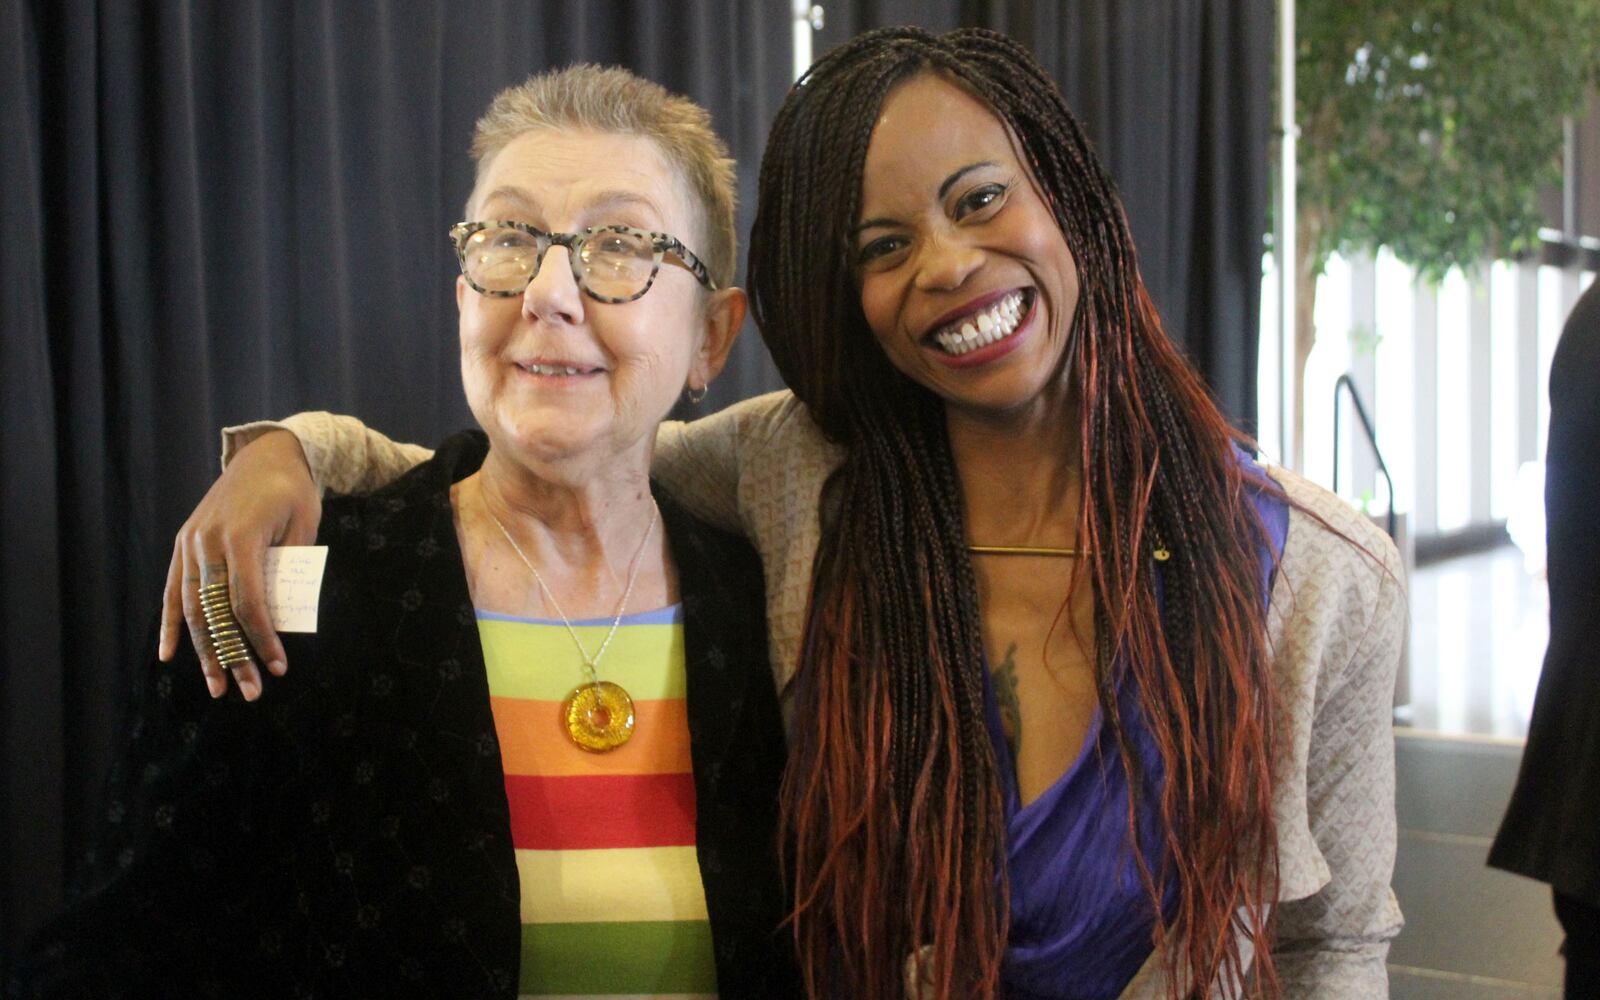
[1329, 537]
[777, 419]
[720, 585]
[771, 410]
[1337, 614]
[697, 544]
[425, 488]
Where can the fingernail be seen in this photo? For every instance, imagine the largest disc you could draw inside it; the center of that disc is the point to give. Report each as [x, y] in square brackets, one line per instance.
[216, 687]
[278, 668]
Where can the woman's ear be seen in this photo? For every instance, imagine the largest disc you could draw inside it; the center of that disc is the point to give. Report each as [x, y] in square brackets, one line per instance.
[724, 316]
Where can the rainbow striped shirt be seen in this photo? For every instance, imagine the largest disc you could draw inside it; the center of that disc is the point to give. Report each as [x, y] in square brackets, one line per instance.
[612, 902]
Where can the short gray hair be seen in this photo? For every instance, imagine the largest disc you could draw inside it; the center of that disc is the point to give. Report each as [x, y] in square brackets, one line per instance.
[611, 99]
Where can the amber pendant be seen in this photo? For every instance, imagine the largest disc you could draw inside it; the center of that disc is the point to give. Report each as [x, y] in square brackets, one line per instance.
[598, 716]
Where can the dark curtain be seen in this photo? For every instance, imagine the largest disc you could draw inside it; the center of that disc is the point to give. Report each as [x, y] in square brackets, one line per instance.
[214, 212]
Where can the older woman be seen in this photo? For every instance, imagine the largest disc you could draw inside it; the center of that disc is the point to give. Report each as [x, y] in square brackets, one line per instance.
[534, 748]
[1082, 701]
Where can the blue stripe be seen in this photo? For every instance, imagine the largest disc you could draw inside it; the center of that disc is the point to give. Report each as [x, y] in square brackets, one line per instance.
[672, 614]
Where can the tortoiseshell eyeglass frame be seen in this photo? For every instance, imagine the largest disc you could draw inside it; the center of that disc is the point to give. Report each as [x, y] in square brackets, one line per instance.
[664, 245]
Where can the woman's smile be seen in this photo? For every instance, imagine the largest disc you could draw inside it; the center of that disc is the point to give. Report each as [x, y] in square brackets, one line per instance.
[991, 330]
[559, 371]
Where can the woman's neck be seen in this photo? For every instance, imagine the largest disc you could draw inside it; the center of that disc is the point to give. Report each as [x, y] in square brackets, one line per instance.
[583, 538]
[1020, 476]
[591, 515]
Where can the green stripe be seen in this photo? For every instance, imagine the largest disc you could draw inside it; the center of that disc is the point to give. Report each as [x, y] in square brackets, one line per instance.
[539, 662]
[655, 957]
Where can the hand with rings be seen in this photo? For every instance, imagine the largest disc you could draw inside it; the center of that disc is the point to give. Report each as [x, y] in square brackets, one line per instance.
[216, 580]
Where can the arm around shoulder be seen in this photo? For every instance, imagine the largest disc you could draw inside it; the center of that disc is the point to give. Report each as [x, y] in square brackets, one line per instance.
[269, 498]
[343, 454]
[702, 463]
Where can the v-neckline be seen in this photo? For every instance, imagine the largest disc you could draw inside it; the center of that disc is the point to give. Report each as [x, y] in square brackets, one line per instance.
[1016, 811]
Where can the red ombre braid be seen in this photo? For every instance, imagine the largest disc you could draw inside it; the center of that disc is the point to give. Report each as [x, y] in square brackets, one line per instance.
[892, 801]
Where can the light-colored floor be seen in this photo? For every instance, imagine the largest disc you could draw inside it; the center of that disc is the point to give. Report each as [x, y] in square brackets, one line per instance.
[1479, 627]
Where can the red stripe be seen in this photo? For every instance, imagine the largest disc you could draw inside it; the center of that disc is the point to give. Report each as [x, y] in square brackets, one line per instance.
[601, 811]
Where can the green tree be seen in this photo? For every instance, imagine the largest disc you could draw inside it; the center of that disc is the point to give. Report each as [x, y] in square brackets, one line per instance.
[1429, 127]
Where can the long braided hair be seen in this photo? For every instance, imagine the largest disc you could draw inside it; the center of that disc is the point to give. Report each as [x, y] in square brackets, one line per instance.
[895, 827]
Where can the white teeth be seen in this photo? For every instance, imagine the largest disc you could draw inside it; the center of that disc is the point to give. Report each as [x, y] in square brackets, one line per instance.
[551, 369]
[996, 322]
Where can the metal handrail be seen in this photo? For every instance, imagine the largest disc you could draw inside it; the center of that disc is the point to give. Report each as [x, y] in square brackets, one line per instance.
[1346, 382]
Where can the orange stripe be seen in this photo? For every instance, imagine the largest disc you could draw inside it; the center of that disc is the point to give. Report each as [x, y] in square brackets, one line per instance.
[532, 741]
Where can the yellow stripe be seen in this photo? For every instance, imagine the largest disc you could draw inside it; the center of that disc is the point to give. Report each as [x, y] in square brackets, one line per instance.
[540, 663]
[632, 884]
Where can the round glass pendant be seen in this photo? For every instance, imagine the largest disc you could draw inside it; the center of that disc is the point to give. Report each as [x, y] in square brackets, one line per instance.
[598, 717]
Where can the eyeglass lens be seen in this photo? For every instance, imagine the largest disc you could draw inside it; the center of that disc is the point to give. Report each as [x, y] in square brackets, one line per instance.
[612, 264]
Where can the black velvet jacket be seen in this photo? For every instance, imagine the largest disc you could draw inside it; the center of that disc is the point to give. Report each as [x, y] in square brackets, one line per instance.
[348, 835]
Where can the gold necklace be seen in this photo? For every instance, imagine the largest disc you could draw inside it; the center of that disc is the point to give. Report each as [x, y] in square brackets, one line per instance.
[597, 715]
[1024, 550]
[1160, 553]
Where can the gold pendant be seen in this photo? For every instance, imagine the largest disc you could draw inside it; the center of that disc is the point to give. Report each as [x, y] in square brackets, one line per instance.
[598, 717]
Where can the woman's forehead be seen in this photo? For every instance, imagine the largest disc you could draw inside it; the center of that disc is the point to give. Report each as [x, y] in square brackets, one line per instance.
[515, 201]
[927, 129]
[558, 175]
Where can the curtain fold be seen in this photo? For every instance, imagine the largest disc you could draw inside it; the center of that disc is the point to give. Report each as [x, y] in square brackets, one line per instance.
[215, 212]
[31, 753]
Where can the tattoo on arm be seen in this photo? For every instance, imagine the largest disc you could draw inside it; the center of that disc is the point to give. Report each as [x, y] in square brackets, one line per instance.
[1005, 696]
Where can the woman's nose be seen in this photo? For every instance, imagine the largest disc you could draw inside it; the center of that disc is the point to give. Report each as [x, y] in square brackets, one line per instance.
[945, 261]
[553, 295]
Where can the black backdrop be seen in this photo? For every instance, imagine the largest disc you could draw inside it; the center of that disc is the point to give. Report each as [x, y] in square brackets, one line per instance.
[213, 212]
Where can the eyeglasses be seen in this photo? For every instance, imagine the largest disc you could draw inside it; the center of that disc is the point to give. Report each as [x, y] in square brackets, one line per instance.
[610, 263]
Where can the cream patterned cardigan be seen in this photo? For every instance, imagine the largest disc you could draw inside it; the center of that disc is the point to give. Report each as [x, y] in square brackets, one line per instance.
[1335, 621]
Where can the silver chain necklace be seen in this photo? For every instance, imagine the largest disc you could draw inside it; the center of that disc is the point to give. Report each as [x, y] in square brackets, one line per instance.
[597, 715]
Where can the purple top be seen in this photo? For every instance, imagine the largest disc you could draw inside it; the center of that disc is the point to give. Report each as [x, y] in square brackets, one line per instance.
[1081, 920]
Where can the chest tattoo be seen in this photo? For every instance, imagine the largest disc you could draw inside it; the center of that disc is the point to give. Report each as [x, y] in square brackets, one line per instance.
[1004, 678]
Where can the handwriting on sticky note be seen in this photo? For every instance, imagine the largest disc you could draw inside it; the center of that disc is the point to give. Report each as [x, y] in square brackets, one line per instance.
[294, 585]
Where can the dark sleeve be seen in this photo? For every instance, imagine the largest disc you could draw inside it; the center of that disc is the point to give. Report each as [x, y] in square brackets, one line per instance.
[1549, 831]
[164, 906]
[737, 741]
[1572, 483]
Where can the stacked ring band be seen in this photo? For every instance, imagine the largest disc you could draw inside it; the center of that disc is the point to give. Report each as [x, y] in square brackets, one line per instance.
[227, 641]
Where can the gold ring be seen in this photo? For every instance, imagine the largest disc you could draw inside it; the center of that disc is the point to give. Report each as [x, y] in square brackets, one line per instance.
[227, 640]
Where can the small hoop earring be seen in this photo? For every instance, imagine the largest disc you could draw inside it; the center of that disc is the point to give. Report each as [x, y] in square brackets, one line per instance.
[696, 395]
